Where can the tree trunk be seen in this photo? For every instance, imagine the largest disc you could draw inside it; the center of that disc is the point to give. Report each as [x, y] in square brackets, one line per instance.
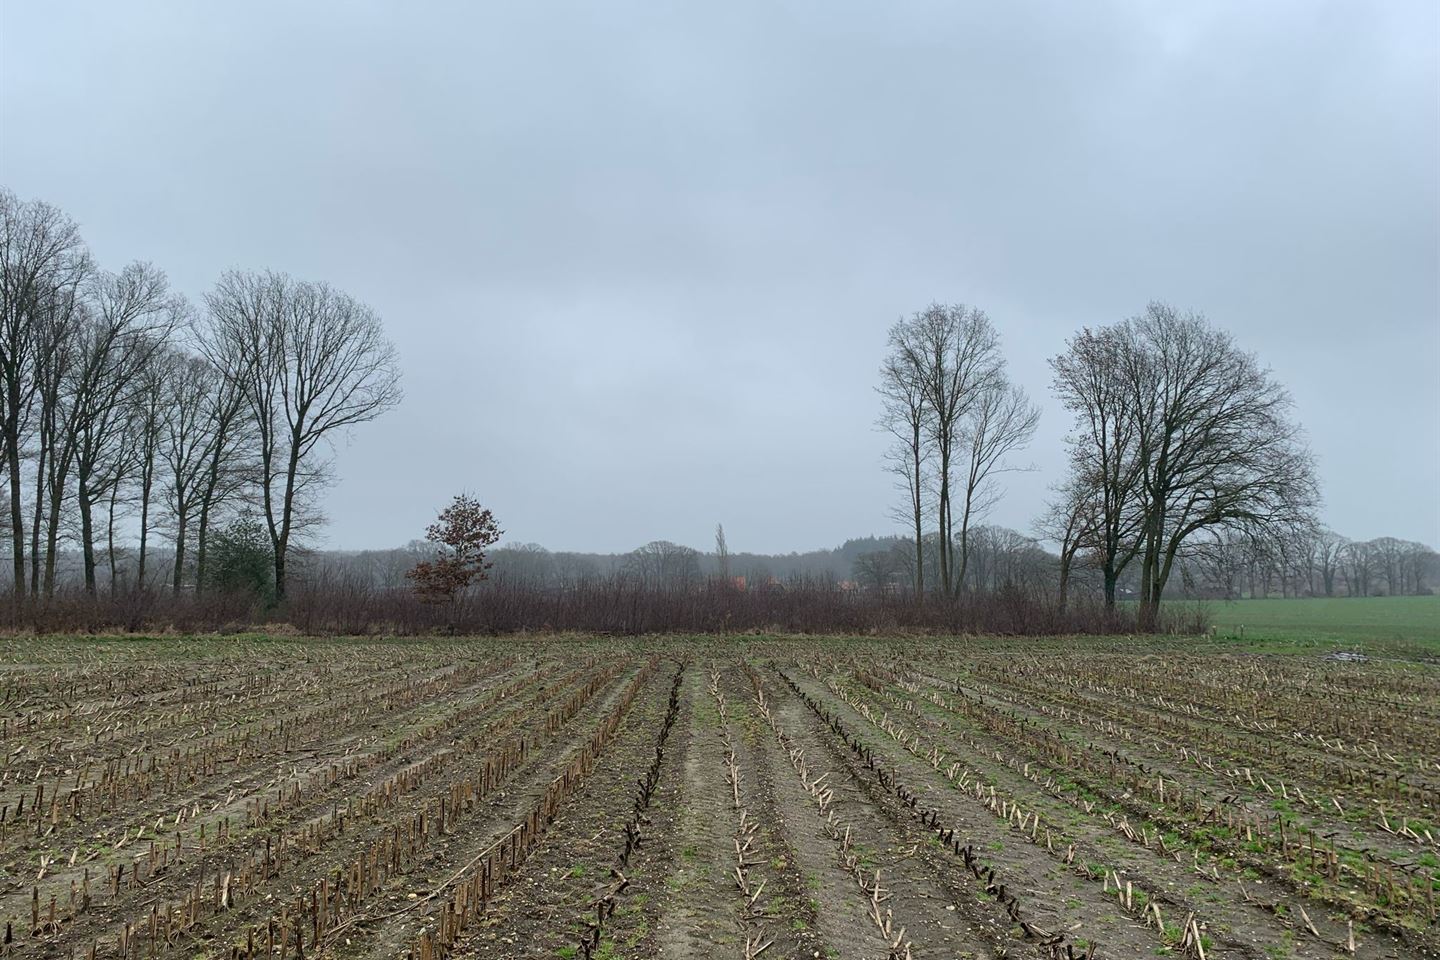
[207, 500]
[35, 521]
[916, 502]
[1160, 577]
[87, 537]
[1064, 581]
[181, 515]
[965, 538]
[17, 510]
[110, 539]
[1150, 571]
[943, 515]
[279, 573]
[147, 476]
[202, 533]
[52, 533]
[281, 538]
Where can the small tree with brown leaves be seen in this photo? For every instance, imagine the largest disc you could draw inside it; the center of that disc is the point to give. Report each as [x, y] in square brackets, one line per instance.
[462, 533]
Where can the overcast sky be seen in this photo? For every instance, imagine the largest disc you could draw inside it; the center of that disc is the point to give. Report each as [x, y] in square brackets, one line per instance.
[639, 259]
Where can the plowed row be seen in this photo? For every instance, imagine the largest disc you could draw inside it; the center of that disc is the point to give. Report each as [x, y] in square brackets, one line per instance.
[679, 798]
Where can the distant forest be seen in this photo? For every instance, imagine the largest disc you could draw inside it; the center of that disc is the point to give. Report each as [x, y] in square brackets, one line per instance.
[1323, 565]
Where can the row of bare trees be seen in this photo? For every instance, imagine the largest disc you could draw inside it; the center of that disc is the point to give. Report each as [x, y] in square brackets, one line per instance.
[1180, 441]
[125, 410]
[998, 559]
[956, 418]
[1311, 561]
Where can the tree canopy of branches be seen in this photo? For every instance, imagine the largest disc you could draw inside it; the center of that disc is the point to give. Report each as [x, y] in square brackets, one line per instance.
[310, 361]
[1178, 434]
[43, 262]
[120, 408]
[955, 418]
[463, 533]
[134, 313]
[661, 563]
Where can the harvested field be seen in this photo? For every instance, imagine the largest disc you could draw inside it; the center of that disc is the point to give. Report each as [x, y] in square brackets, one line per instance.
[743, 798]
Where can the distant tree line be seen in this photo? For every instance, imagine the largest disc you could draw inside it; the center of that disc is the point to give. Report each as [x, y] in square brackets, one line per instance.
[128, 413]
[664, 586]
[999, 557]
[1311, 562]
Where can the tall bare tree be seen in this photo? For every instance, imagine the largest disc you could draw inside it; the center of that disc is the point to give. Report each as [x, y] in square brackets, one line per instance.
[150, 411]
[1389, 554]
[953, 354]
[57, 337]
[904, 416]
[1217, 441]
[132, 315]
[311, 361]
[42, 259]
[229, 468]
[188, 435]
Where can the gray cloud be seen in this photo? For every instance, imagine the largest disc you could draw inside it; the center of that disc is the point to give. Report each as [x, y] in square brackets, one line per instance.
[639, 259]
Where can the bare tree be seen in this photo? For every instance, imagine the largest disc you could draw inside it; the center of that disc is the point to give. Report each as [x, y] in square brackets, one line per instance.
[574, 569]
[1300, 553]
[42, 259]
[953, 354]
[1209, 443]
[1218, 446]
[1069, 522]
[132, 313]
[1358, 563]
[904, 416]
[189, 435]
[1104, 457]
[113, 551]
[228, 468]
[1007, 558]
[1220, 562]
[1422, 565]
[877, 570]
[1329, 550]
[661, 563]
[57, 336]
[1389, 554]
[311, 362]
[149, 413]
[1001, 421]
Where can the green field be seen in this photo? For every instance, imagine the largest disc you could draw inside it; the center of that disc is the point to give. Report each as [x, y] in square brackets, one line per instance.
[1378, 623]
